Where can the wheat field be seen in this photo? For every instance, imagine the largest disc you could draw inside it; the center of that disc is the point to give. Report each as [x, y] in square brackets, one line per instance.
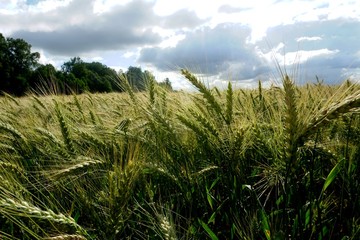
[268, 163]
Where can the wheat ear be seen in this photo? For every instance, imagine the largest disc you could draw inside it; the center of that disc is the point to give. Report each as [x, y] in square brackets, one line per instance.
[79, 107]
[151, 89]
[125, 85]
[205, 92]
[66, 237]
[329, 113]
[65, 131]
[13, 131]
[229, 104]
[24, 208]
[291, 118]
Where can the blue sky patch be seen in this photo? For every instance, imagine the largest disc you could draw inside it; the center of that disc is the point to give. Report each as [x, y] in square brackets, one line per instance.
[32, 2]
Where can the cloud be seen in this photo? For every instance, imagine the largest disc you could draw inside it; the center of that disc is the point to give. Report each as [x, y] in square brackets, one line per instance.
[211, 52]
[230, 9]
[337, 33]
[300, 39]
[75, 28]
[327, 48]
[182, 18]
[78, 29]
[136, 30]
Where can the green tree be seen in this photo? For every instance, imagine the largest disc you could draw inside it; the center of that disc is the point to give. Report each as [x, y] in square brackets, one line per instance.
[67, 67]
[166, 84]
[136, 78]
[106, 77]
[44, 80]
[16, 64]
[80, 76]
[73, 76]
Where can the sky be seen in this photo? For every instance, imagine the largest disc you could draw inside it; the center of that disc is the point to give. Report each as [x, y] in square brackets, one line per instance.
[219, 40]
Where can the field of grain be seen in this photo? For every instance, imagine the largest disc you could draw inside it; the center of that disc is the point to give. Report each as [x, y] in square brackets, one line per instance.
[268, 163]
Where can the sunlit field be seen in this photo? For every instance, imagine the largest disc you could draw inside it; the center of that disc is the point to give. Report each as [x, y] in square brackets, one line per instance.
[268, 163]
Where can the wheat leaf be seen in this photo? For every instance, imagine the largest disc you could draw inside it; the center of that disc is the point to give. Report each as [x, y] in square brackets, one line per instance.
[208, 230]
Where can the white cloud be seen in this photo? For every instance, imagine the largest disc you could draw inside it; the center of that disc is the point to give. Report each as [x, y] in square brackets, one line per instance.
[48, 5]
[129, 54]
[9, 7]
[299, 57]
[172, 41]
[97, 59]
[341, 9]
[300, 39]
[162, 34]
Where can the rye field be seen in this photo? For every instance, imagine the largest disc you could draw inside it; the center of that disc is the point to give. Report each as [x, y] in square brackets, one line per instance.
[268, 163]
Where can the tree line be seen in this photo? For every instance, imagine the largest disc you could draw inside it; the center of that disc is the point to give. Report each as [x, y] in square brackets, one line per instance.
[21, 72]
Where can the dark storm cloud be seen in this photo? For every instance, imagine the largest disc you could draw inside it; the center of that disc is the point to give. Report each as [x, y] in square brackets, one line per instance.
[210, 51]
[76, 29]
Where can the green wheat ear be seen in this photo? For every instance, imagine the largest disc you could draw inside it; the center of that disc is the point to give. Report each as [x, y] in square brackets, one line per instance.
[229, 104]
[291, 118]
[81, 164]
[79, 107]
[125, 85]
[331, 112]
[11, 98]
[65, 131]
[5, 127]
[214, 105]
[151, 89]
[28, 210]
[40, 103]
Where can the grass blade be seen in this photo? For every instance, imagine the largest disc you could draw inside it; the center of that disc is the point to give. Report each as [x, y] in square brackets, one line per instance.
[208, 230]
[332, 175]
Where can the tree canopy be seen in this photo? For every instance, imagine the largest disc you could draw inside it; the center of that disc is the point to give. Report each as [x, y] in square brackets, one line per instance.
[21, 72]
[80, 76]
[16, 64]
